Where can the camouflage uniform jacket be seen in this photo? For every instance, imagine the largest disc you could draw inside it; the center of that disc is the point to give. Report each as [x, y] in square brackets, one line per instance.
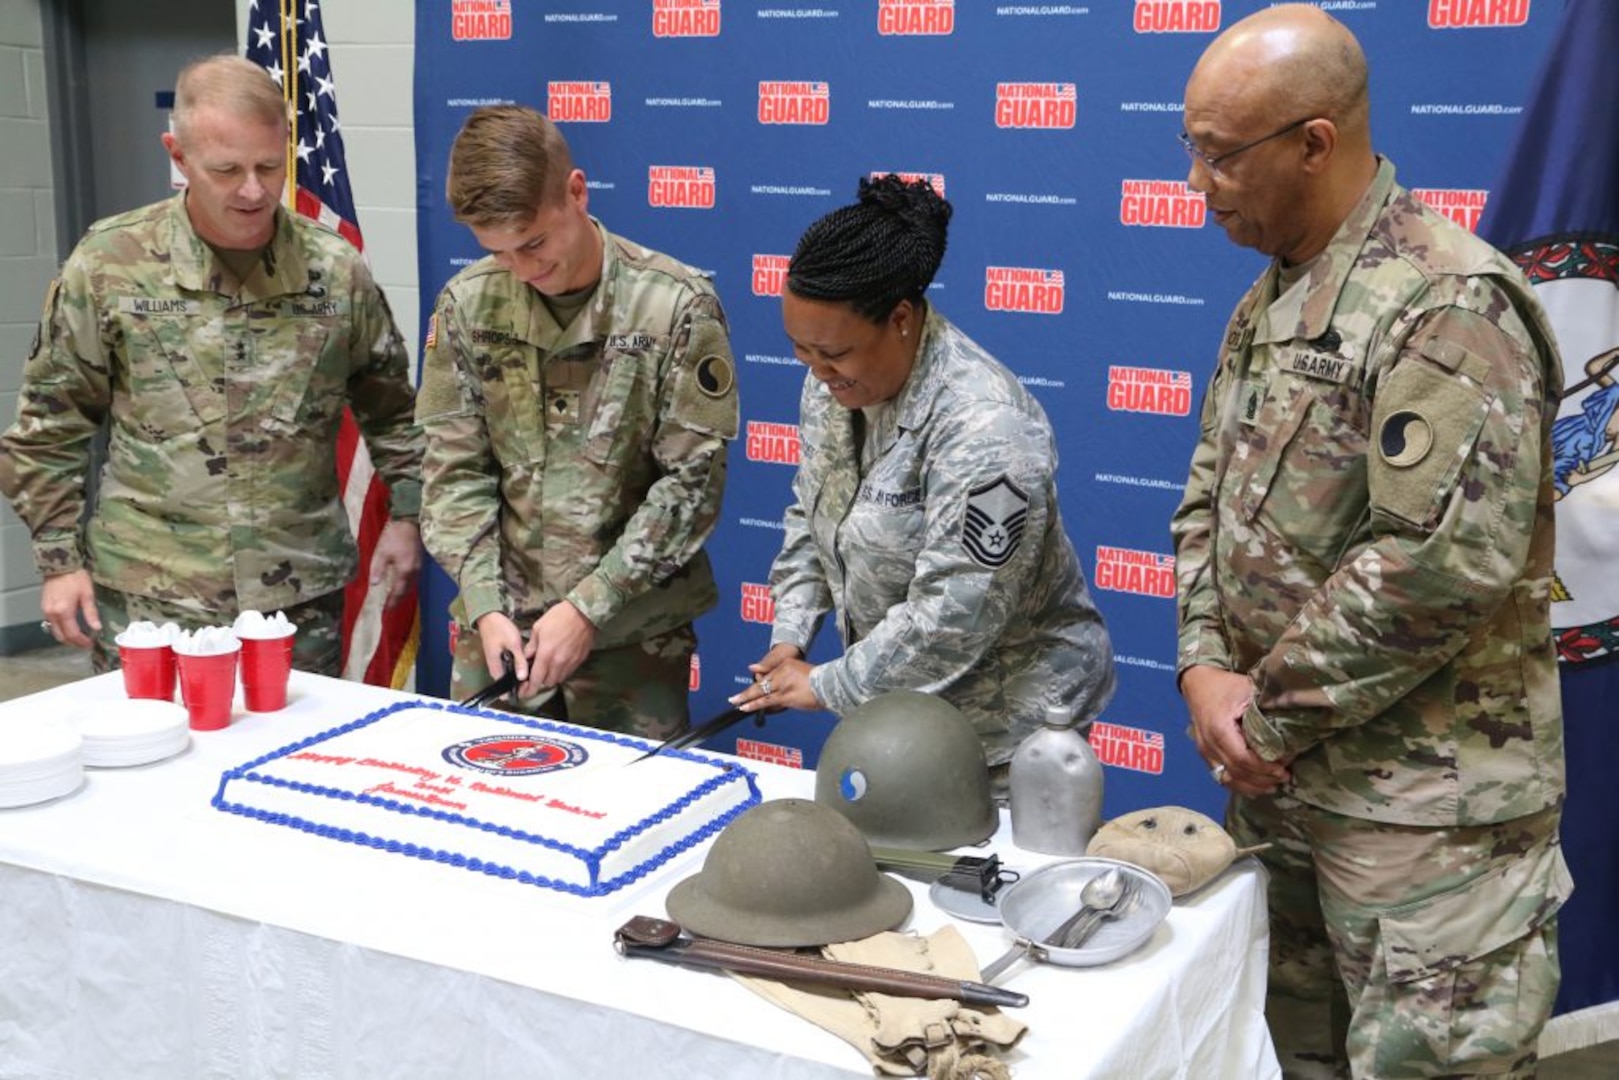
[220, 486]
[1367, 527]
[583, 463]
[945, 559]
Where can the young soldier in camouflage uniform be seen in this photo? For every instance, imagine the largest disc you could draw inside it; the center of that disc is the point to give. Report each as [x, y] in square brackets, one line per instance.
[577, 395]
[1364, 556]
[219, 337]
[926, 504]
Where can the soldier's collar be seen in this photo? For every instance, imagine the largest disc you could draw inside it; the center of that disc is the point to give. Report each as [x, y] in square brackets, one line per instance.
[1331, 273]
[593, 323]
[915, 399]
[281, 271]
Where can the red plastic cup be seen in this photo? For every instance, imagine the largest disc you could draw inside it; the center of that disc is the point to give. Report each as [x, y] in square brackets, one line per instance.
[207, 686]
[266, 663]
[148, 671]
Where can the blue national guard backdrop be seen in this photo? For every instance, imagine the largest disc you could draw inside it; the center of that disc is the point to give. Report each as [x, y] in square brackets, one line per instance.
[716, 130]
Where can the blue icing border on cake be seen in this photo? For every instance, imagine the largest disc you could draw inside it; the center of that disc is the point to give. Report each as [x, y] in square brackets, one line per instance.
[592, 859]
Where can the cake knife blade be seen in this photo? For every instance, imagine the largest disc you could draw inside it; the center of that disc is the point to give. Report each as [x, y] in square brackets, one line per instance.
[497, 689]
[660, 939]
[699, 733]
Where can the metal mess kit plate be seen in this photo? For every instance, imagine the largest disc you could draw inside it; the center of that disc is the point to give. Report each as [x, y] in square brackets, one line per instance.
[1034, 907]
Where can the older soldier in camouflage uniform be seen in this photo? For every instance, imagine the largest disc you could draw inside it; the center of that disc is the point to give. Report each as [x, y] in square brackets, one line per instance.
[219, 337]
[577, 395]
[1364, 556]
[926, 505]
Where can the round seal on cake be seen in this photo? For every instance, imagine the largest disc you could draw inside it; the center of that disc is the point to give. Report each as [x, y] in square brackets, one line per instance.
[516, 755]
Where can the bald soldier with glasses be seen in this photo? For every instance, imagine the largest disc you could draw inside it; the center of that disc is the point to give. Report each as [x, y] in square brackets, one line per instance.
[1364, 565]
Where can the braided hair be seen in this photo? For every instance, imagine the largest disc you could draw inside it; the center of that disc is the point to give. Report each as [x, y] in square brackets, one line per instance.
[875, 252]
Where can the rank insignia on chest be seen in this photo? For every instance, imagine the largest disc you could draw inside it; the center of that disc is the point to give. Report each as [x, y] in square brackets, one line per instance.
[1253, 396]
[562, 406]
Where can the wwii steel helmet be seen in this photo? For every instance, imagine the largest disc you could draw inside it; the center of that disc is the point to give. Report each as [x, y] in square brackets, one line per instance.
[789, 873]
[909, 770]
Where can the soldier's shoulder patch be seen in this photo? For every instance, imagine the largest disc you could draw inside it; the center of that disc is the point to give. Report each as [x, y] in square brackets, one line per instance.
[45, 316]
[1405, 438]
[715, 376]
[432, 330]
[995, 516]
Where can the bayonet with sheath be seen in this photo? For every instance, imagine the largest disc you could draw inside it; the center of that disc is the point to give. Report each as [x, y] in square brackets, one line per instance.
[660, 939]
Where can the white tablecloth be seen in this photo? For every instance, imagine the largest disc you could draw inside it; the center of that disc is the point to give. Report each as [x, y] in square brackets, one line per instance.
[145, 934]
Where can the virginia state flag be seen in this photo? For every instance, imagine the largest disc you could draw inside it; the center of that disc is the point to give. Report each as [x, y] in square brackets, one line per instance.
[1556, 212]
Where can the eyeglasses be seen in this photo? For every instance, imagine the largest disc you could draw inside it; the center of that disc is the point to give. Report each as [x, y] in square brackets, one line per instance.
[1213, 160]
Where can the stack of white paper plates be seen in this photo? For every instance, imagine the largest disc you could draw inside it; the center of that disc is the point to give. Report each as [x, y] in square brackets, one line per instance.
[133, 732]
[38, 762]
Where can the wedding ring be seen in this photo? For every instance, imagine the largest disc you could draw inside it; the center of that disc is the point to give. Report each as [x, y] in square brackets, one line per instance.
[1218, 772]
[764, 685]
[45, 625]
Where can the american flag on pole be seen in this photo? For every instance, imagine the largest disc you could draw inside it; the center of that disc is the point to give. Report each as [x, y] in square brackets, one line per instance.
[286, 38]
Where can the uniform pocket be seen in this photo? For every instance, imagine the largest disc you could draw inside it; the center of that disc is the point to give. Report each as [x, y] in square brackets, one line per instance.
[1454, 928]
[170, 395]
[306, 396]
[1469, 972]
[1308, 461]
[614, 419]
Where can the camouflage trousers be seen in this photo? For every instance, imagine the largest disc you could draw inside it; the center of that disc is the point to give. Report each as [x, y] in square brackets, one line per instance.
[317, 647]
[1403, 951]
[638, 689]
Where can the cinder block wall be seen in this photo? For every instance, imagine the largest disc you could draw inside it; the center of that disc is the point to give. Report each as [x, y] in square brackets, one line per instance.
[373, 60]
[27, 262]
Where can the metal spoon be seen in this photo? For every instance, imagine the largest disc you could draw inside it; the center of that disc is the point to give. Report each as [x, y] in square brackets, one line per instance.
[1099, 894]
[1101, 891]
[1080, 933]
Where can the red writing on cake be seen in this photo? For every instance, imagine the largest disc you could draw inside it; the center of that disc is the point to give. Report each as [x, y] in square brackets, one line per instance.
[414, 770]
[558, 804]
[420, 796]
[526, 796]
[324, 759]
